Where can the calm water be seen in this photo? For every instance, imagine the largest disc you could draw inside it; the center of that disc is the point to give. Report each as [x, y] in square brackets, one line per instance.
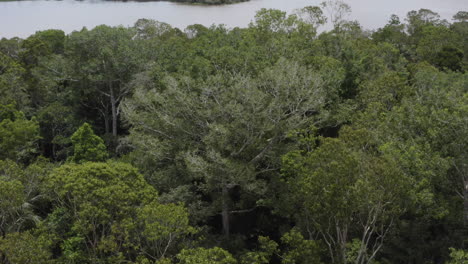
[23, 18]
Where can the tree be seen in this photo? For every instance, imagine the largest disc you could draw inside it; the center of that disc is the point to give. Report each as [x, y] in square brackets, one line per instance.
[458, 256]
[312, 15]
[18, 135]
[345, 190]
[418, 19]
[147, 28]
[276, 21]
[298, 250]
[107, 212]
[267, 248]
[449, 58]
[460, 27]
[386, 91]
[20, 195]
[425, 133]
[337, 11]
[12, 198]
[87, 146]
[12, 86]
[393, 32]
[103, 61]
[25, 248]
[436, 39]
[57, 124]
[161, 226]
[461, 16]
[36, 54]
[205, 256]
[223, 135]
[293, 249]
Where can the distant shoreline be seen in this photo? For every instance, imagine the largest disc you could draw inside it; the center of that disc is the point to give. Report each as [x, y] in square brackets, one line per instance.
[201, 2]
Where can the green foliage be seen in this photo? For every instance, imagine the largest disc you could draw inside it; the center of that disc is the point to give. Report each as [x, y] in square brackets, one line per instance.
[18, 135]
[461, 16]
[25, 247]
[458, 256]
[87, 146]
[386, 90]
[343, 184]
[162, 224]
[109, 211]
[294, 249]
[54, 39]
[449, 58]
[392, 33]
[12, 198]
[416, 135]
[267, 249]
[20, 194]
[12, 86]
[299, 250]
[222, 133]
[418, 19]
[344, 146]
[205, 256]
[103, 60]
[57, 123]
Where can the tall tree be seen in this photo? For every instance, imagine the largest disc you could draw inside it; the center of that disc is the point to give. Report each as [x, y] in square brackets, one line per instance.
[346, 191]
[223, 136]
[103, 61]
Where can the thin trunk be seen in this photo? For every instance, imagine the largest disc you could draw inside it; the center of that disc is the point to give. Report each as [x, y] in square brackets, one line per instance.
[225, 212]
[54, 151]
[342, 237]
[465, 208]
[3, 259]
[465, 212]
[114, 110]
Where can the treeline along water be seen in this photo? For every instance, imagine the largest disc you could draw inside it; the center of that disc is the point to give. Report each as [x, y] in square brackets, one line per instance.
[23, 18]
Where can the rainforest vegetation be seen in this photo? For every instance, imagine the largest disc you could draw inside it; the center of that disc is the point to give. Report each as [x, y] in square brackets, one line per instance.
[277, 143]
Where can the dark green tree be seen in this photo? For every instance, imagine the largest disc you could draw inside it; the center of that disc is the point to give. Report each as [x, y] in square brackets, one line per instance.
[87, 146]
[102, 61]
[18, 135]
[108, 212]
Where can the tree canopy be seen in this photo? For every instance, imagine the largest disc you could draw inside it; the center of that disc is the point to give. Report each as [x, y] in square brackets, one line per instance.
[280, 142]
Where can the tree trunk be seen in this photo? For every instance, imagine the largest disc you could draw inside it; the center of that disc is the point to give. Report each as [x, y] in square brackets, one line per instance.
[54, 151]
[114, 110]
[465, 208]
[341, 238]
[225, 211]
[106, 123]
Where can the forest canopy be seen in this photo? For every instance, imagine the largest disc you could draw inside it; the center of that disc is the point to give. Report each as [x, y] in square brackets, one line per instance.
[276, 143]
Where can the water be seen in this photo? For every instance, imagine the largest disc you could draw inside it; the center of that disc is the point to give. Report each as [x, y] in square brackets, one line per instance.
[23, 18]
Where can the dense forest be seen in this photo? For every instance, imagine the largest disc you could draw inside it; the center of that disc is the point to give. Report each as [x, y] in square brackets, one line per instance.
[275, 143]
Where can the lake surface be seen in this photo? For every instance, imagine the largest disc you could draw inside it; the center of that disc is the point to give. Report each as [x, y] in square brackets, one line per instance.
[23, 18]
